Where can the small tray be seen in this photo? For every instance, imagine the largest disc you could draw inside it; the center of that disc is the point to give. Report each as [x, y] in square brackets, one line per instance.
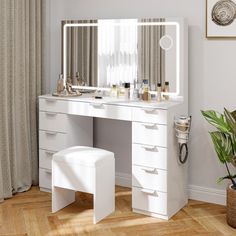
[66, 95]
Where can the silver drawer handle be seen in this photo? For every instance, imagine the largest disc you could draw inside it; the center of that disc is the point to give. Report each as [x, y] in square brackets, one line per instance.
[150, 170]
[151, 149]
[48, 172]
[152, 126]
[148, 191]
[50, 114]
[50, 100]
[150, 110]
[50, 133]
[49, 153]
[96, 105]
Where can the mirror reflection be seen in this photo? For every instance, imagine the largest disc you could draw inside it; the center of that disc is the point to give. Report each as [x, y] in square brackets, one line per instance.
[119, 51]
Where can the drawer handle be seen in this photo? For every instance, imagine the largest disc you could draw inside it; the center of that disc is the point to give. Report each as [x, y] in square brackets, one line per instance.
[50, 153]
[96, 105]
[150, 170]
[50, 100]
[151, 149]
[48, 172]
[149, 110]
[148, 191]
[50, 114]
[152, 126]
[50, 133]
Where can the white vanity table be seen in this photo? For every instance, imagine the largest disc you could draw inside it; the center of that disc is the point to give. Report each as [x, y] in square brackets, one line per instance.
[158, 179]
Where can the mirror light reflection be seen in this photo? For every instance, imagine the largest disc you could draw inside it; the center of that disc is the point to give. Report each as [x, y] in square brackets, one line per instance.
[107, 52]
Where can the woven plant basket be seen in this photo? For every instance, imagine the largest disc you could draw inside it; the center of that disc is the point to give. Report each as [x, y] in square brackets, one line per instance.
[231, 206]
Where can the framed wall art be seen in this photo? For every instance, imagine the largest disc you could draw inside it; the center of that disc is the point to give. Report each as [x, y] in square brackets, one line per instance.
[220, 18]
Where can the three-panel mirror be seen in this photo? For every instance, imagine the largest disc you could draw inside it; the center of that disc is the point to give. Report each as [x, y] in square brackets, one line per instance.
[100, 53]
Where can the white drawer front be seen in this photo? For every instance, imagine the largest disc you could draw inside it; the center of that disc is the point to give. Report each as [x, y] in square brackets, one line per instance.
[52, 140]
[45, 178]
[151, 115]
[148, 200]
[78, 108]
[151, 156]
[110, 111]
[150, 134]
[53, 121]
[45, 158]
[53, 105]
[150, 178]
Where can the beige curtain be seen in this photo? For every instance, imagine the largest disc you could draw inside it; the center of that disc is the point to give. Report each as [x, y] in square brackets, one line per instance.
[151, 58]
[82, 52]
[20, 72]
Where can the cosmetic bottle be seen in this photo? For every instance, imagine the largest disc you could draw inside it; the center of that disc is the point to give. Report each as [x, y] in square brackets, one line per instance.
[145, 90]
[127, 91]
[114, 91]
[166, 90]
[159, 92]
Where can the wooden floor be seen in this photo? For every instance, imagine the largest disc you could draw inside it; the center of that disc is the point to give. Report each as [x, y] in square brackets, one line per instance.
[29, 214]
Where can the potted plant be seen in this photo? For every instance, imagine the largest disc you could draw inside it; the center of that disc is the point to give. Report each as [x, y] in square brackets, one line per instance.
[224, 140]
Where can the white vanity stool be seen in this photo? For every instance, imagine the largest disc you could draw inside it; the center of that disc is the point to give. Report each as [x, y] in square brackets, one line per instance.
[85, 169]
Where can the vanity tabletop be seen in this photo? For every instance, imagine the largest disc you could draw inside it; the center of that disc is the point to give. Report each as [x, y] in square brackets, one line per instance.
[90, 98]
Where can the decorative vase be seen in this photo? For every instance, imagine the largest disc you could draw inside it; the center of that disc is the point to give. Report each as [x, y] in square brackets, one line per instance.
[231, 206]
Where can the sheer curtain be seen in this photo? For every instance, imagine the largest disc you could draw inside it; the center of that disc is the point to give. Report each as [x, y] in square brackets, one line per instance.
[117, 52]
[21, 75]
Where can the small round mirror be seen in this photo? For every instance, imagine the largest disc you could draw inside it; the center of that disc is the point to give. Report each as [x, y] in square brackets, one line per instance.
[166, 42]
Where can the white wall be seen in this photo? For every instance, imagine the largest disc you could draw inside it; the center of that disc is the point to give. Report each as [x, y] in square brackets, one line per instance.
[212, 68]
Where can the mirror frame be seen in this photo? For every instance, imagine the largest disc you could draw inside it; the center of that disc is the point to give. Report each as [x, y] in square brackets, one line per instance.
[167, 23]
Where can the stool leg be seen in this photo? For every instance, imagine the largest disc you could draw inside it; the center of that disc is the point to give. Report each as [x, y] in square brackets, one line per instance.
[61, 198]
[104, 195]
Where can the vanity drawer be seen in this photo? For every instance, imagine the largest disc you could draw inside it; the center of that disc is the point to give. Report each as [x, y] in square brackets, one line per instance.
[150, 178]
[45, 178]
[53, 121]
[52, 140]
[150, 134]
[53, 105]
[110, 111]
[150, 156]
[45, 158]
[149, 115]
[149, 200]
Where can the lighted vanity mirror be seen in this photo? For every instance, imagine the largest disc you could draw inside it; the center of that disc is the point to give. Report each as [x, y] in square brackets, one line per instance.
[100, 53]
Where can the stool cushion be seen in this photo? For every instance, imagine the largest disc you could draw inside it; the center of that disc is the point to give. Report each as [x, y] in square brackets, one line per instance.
[86, 156]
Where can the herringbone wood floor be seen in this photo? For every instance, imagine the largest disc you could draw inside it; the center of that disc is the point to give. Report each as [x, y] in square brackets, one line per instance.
[29, 214]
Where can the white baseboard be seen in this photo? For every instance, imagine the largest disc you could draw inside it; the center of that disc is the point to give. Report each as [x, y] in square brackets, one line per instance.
[210, 195]
[195, 192]
[123, 179]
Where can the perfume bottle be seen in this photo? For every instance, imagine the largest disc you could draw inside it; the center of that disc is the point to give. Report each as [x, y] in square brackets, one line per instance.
[114, 91]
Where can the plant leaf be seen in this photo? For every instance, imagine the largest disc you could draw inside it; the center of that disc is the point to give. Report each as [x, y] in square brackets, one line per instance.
[223, 146]
[231, 119]
[233, 139]
[233, 161]
[226, 177]
[217, 120]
